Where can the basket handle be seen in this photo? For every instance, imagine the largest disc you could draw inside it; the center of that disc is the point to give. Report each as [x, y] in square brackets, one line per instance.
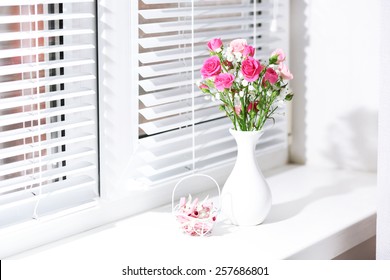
[194, 175]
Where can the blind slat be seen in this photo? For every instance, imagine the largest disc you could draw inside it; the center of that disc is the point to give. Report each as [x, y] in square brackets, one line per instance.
[44, 113]
[44, 81]
[33, 99]
[167, 96]
[26, 132]
[167, 82]
[185, 52]
[168, 1]
[33, 67]
[180, 121]
[183, 39]
[175, 108]
[4, 3]
[201, 24]
[200, 11]
[8, 53]
[15, 184]
[30, 193]
[171, 137]
[170, 68]
[43, 145]
[22, 35]
[20, 166]
[171, 54]
[43, 17]
[185, 159]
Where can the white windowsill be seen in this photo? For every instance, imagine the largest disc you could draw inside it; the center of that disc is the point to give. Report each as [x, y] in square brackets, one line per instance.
[316, 214]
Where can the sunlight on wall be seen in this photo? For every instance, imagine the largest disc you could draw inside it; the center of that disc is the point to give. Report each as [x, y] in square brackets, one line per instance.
[335, 59]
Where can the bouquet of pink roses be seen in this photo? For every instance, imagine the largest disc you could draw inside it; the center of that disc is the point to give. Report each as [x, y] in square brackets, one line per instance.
[250, 91]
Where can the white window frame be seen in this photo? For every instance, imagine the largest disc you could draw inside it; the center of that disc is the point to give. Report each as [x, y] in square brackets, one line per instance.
[119, 198]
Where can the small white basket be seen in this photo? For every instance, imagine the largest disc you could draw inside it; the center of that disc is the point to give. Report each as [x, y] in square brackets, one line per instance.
[196, 218]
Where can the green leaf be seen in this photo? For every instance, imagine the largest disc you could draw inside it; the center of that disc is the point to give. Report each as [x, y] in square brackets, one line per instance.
[289, 97]
[205, 90]
[273, 59]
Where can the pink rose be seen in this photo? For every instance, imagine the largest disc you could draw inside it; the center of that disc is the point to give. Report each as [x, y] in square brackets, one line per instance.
[214, 44]
[248, 51]
[271, 76]
[285, 72]
[238, 45]
[279, 54]
[211, 67]
[251, 69]
[224, 80]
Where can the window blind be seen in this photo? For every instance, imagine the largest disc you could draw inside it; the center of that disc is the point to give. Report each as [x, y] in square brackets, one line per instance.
[171, 46]
[48, 108]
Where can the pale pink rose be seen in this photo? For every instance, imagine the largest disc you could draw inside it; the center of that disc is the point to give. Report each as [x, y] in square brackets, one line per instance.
[211, 67]
[223, 80]
[251, 68]
[280, 56]
[285, 72]
[237, 109]
[238, 45]
[271, 76]
[214, 44]
[248, 51]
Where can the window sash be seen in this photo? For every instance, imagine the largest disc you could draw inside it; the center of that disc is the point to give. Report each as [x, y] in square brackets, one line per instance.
[48, 108]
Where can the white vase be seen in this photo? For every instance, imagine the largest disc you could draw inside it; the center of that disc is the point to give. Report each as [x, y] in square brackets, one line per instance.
[246, 197]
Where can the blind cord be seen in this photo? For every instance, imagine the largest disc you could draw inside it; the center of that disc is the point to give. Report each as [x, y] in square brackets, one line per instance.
[35, 214]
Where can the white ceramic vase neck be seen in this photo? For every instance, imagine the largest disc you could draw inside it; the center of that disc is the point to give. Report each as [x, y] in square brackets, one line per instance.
[246, 197]
[246, 144]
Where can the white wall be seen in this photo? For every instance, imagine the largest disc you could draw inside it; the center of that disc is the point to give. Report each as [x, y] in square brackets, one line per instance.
[335, 61]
